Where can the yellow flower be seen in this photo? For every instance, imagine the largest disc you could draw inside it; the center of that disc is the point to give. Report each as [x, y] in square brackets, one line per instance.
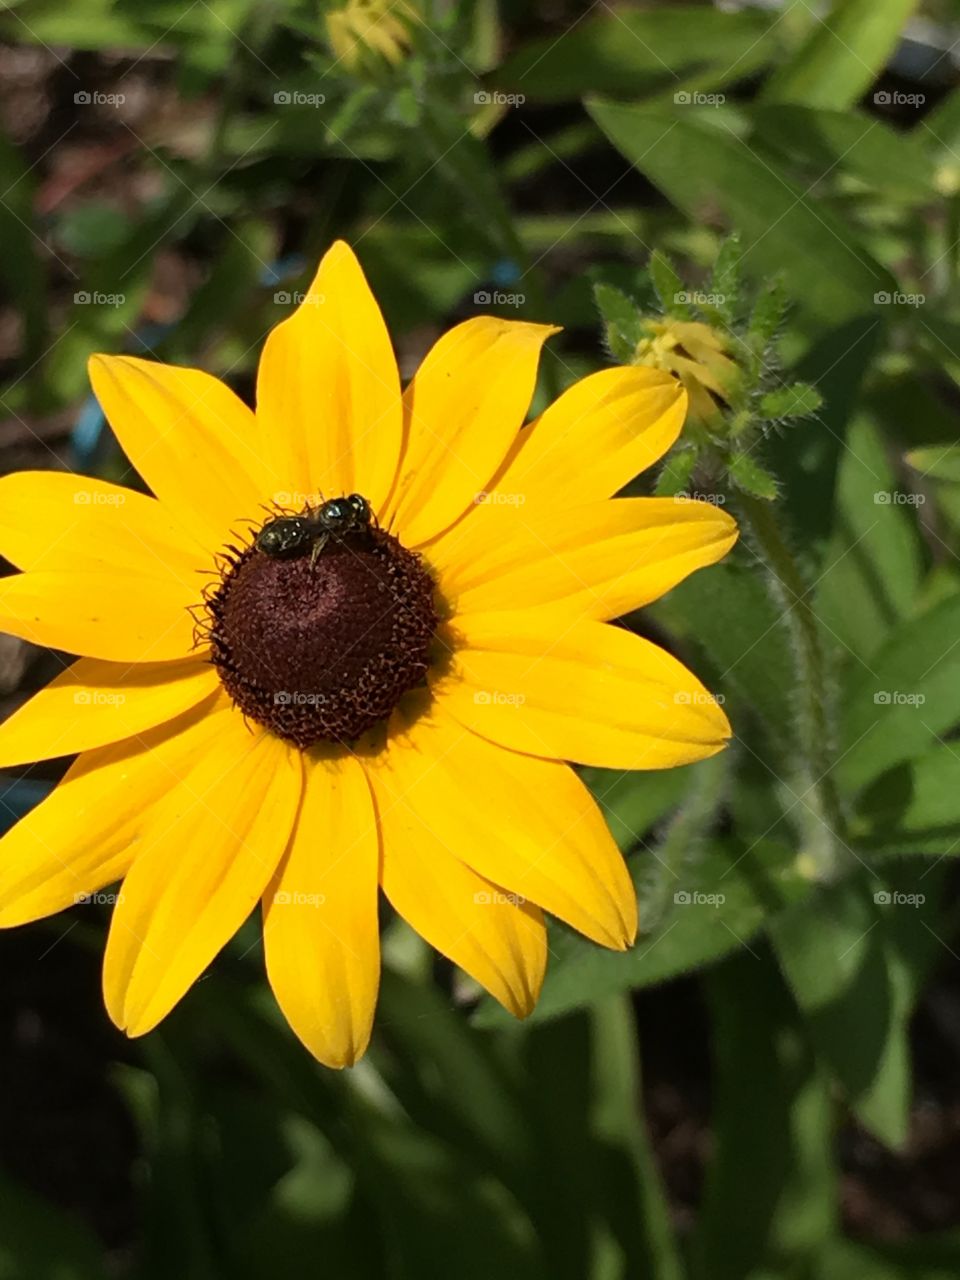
[696, 354]
[370, 25]
[392, 710]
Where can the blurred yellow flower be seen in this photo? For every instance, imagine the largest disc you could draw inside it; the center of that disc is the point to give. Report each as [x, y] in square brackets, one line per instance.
[391, 711]
[377, 26]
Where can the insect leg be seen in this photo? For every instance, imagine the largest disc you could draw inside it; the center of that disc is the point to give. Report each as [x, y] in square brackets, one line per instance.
[319, 543]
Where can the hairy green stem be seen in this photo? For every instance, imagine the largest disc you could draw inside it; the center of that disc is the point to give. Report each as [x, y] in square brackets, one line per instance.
[823, 822]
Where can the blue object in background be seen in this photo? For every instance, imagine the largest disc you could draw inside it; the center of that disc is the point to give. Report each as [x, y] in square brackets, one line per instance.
[505, 272]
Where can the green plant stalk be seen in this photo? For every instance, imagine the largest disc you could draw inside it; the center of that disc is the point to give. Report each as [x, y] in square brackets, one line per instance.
[823, 821]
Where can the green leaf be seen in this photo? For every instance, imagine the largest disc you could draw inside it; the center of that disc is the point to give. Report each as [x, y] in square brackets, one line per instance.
[845, 51]
[773, 1133]
[738, 638]
[666, 282]
[798, 400]
[856, 995]
[914, 808]
[621, 319]
[676, 473]
[634, 53]
[717, 904]
[937, 462]
[939, 133]
[845, 143]
[748, 474]
[725, 278]
[910, 695]
[806, 462]
[783, 227]
[768, 312]
[873, 562]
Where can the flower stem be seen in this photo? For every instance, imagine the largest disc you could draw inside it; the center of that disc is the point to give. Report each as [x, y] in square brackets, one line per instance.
[820, 805]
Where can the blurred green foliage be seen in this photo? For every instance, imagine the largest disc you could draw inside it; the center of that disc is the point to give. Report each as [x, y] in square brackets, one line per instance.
[544, 153]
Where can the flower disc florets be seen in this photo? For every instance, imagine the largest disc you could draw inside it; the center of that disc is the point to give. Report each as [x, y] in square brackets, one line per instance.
[320, 647]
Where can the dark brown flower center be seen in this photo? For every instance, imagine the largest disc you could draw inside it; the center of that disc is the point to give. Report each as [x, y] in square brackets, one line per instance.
[321, 646]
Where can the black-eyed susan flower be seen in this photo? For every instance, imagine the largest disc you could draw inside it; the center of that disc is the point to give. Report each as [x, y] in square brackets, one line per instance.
[384, 699]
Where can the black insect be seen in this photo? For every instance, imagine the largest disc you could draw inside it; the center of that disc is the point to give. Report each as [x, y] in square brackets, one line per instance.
[286, 537]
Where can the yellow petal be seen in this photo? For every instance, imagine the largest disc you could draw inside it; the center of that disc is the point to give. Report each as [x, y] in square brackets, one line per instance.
[207, 855]
[578, 690]
[597, 436]
[328, 386]
[53, 520]
[544, 838]
[194, 442]
[320, 927]
[85, 834]
[463, 410]
[601, 560]
[95, 703]
[121, 617]
[498, 940]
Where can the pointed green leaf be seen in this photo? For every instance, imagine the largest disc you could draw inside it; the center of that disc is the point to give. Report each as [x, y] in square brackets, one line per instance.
[748, 475]
[895, 710]
[667, 283]
[725, 279]
[843, 54]
[621, 319]
[796, 401]
[768, 312]
[676, 474]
